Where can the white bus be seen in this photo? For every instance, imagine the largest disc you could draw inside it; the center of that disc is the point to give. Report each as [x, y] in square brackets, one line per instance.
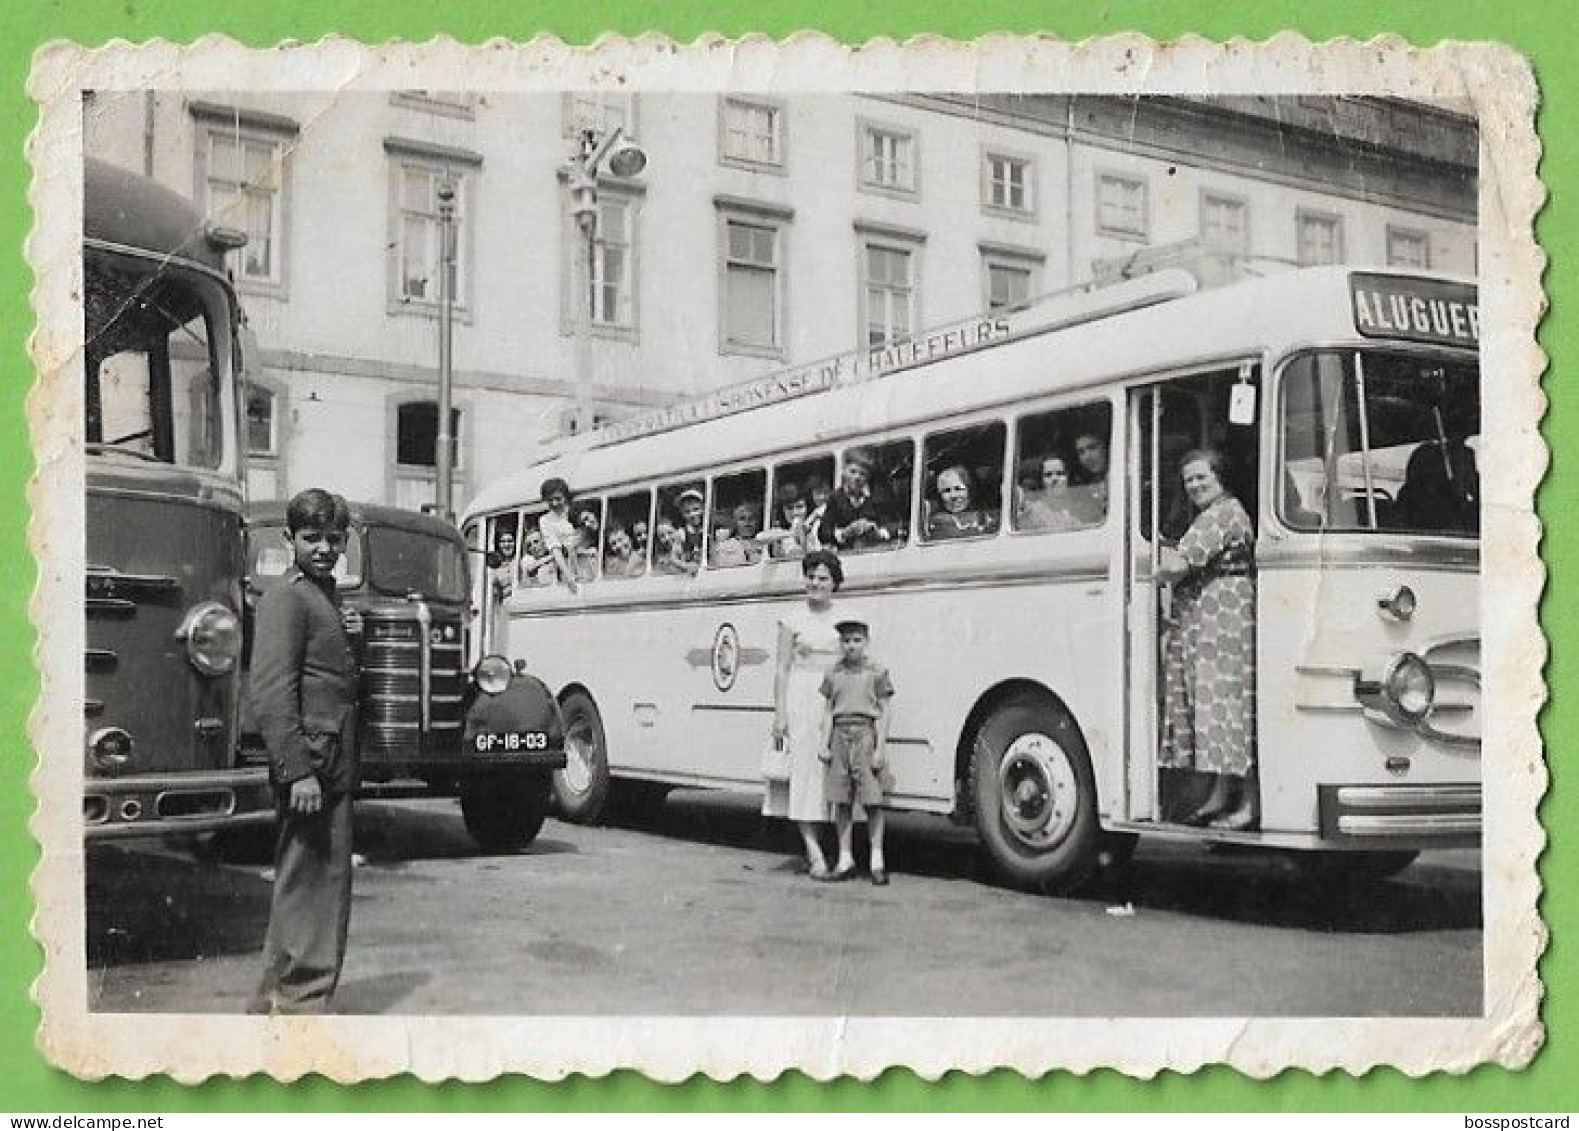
[1026, 657]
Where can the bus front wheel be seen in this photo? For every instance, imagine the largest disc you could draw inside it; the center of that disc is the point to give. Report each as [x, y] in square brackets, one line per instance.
[581, 789]
[1036, 802]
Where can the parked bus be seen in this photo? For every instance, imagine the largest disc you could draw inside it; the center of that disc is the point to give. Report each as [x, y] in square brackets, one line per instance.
[163, 497]
[431, 725]
[1027, 654]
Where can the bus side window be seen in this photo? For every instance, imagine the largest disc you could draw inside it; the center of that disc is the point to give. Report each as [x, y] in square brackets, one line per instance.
[801, 490]
[503, 543]
[1062, 468]
[964, 483]
[871, 508]
[678, 532]
[737, 519]
[625, 535]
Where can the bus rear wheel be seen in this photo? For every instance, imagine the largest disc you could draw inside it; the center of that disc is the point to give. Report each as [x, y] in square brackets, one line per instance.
[505, 814]
[581, 789]
[1036, 802]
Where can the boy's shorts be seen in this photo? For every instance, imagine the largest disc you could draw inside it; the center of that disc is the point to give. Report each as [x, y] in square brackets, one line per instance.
[849, 776]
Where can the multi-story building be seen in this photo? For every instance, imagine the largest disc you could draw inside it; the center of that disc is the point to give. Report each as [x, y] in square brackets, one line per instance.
[764, 232]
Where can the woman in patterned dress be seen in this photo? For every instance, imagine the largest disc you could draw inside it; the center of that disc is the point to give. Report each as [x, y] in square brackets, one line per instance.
[1209, 649]
[808, 645]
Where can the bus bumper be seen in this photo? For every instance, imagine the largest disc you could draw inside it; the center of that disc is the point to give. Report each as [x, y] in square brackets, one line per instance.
[452, 771]
[156, 804]
[1445, 815]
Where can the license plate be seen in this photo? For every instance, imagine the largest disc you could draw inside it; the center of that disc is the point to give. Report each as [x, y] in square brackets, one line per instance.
[509, 742]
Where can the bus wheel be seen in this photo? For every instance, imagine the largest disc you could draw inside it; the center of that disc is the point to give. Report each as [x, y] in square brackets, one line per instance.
[1351, 867]
[581, 789]
[506, 814]
[1036, 802]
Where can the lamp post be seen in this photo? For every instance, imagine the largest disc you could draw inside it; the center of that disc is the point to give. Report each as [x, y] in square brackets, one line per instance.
[444, 443]
[624, 158]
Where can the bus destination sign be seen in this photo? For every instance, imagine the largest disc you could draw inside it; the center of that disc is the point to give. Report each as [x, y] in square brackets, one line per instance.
[1415, 310]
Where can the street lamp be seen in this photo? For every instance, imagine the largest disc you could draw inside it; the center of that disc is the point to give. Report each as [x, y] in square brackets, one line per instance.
[443, 443]
[623, 158]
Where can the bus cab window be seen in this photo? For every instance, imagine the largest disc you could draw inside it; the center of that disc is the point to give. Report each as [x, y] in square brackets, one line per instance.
[870, 509]
[964, 483]
[801, 490]
[737, 519]
[1062, 467]
[678, 530]
[625, 535]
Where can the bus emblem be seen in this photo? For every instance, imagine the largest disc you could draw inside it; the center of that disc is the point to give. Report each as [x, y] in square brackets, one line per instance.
[726, 656]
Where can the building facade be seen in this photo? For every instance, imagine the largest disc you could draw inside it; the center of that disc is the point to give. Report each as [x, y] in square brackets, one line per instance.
[764, 232]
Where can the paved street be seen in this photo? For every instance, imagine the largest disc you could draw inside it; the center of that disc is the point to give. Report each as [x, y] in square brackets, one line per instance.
[697, 908]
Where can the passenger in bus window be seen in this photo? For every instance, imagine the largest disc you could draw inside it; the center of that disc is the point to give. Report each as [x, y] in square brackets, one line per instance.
[691, 503]
[560, 535]
[817, 492]
[737, 544]
[1048, 504]
[501, 563]
[808, 645]
[1091, 453]
[668, 554]
[1208, 720]
[956, 514]
[620, 558]
[858, 518]
[585, 558]
[787, 539]
[638, 532]
[537, 563]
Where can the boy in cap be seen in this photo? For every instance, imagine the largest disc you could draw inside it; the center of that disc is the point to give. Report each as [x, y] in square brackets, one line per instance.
[857, 691]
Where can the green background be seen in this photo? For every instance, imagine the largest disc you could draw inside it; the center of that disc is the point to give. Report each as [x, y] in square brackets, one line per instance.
[1541, 29]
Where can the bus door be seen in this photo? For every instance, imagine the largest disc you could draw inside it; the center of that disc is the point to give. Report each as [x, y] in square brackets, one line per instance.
[1218, 410]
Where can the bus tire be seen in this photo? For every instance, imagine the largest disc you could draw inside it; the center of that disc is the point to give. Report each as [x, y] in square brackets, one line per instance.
[1036, 799]
[1352, 867]
[581, 789]
[506, 814]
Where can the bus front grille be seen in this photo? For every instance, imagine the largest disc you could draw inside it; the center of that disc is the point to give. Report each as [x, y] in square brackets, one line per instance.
[412, 685]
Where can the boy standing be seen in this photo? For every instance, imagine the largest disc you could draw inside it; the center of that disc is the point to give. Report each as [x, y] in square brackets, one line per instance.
[304, 683]
[857, 690]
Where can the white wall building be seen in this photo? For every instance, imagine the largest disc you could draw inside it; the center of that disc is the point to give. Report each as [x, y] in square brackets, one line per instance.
[764, 232]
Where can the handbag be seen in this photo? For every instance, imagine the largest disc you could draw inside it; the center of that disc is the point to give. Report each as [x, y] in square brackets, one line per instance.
[775, 763]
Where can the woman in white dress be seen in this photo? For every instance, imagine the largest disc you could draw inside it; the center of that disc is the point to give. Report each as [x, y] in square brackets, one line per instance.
[808, 645]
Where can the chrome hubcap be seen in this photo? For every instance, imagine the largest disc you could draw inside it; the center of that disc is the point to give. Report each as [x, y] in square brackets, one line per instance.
[578, 757]
[1037, 791]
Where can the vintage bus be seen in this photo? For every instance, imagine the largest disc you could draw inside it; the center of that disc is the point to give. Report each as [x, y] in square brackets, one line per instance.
[164, 484]
[1028, 654]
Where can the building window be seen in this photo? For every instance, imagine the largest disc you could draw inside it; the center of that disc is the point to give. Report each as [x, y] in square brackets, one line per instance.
[417, 171]
[752, 134]
[1008, 284]
[889, 307]
[1225, 223]
[612, 263]
[444, 103]
[1121, 206]
[416, 448]
[888, 159]
[753, 308]
[599, 111]
[1408, 247]
[1320, 238]
[1008, 184]
[262, 422]
[242, 178]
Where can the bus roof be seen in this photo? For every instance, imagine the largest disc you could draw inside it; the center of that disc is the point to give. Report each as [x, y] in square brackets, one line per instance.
[1275, 314]
[122, 207]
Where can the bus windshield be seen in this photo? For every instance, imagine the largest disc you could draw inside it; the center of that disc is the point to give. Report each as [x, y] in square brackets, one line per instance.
[155, 359]
[402, 562]
[1376, 440]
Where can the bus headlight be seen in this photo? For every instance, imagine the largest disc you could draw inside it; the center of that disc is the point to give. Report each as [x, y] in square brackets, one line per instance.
[492, 674]
[1408, 688]
[213, 637]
